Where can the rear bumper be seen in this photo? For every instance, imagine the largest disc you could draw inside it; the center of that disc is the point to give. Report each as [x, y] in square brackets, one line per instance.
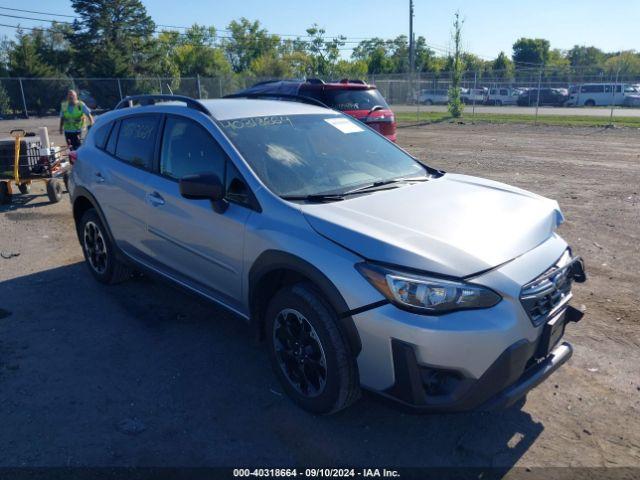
[510, 377]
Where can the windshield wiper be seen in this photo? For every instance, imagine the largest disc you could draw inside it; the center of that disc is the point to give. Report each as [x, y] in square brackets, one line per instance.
[337, 197]
[316, 198]
[383, 183]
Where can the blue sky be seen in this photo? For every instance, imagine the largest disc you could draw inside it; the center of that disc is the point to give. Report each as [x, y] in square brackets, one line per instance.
[490, 25]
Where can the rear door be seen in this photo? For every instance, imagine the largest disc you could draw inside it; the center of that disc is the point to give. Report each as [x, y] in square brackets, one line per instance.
[188, 239]
[120, 181]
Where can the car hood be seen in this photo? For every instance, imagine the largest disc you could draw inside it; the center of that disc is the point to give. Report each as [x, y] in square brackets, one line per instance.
[453, 225]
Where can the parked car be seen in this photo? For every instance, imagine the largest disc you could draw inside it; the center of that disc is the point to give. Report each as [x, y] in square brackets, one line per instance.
[433, 97]
[597, 95]
[503, 96]
[358, 265]
[471, 95]
[88, 99]
[353, 97]
[552, 97]
[632, 96]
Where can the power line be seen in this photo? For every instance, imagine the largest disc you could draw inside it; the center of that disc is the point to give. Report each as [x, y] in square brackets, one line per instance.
[158, 24]
[434, 47]
[40, 13]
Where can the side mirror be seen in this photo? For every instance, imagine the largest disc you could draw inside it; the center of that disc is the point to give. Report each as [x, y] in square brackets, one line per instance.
[204, 186]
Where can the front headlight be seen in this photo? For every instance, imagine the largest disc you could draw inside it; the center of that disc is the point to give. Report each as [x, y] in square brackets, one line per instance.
[426, 294]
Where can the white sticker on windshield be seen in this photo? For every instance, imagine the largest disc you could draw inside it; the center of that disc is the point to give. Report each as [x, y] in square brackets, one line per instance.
[344, 125]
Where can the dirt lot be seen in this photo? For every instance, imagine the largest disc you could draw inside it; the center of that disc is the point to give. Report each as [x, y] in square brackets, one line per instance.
[142, 374]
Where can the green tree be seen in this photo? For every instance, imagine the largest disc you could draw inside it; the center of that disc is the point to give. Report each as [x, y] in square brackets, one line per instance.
[5, 102]
[531, 51]
[356, 69]
[456, 107]
[196, 53]
[624, 63]
[323, 53]
[502, 67]
[270, 65]
[591, 58]
[248, 41]
[425, 58]
[25, 59]
[112, 38]
[558, 66]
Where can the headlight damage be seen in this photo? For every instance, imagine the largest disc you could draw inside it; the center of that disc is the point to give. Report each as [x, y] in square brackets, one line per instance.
[425, 294]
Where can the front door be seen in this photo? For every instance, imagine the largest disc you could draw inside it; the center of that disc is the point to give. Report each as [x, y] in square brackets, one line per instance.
[187, 237]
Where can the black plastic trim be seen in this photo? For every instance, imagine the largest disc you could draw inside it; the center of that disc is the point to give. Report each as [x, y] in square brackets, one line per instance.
[365, 308]
[78, 192]
[508, 379]
[272, 260]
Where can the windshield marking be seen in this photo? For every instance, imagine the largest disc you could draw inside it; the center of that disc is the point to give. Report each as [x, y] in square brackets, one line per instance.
[252, 122]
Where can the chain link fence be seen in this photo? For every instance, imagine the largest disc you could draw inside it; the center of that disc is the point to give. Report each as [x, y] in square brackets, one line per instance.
[525, 87]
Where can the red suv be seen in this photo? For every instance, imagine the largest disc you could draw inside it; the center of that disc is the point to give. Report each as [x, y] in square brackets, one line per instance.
[353, 97]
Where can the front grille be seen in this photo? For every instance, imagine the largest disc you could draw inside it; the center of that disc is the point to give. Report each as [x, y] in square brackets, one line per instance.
[550, 291]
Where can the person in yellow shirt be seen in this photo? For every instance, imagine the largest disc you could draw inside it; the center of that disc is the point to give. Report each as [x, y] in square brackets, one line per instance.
[72, 114]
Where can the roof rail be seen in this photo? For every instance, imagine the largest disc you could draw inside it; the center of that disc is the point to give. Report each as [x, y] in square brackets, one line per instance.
[318, 81]
[275, 95]
[152, 99]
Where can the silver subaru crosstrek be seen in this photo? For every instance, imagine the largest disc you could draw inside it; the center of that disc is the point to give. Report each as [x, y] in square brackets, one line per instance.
[359, 266]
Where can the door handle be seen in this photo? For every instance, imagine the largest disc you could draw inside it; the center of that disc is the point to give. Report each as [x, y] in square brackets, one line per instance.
[99, 177]
[155, 199]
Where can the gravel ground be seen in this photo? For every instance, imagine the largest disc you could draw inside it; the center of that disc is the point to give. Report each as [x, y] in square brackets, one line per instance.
[141, 374]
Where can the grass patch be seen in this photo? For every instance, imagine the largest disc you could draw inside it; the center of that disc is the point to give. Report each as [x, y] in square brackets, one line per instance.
[554, 120]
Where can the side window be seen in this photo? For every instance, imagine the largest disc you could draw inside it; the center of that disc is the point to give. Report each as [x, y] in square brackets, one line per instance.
[137, 140]
[593, 89]
[188, 148]
[113, 139]
[101, 135]
[504, 92]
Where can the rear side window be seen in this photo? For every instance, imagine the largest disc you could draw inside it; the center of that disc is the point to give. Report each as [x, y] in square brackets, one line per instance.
[188, 148]
[137, 140]
[101, 135]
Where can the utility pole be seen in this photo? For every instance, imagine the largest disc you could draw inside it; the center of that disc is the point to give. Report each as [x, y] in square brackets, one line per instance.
[412, 45]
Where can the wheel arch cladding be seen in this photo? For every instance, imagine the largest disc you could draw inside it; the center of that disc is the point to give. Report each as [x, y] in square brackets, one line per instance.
[83, 201]
[274, 269]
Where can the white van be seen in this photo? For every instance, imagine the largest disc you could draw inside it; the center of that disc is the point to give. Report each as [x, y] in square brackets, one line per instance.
[597, 95]
[503, 96]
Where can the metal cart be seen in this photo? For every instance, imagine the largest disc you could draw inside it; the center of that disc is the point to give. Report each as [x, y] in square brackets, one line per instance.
[23, 161]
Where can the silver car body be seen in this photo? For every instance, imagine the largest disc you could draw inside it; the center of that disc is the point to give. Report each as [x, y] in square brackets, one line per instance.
[458, 226]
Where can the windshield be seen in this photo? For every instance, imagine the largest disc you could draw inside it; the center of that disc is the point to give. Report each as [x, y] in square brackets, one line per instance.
[317, 154]
[354, 99]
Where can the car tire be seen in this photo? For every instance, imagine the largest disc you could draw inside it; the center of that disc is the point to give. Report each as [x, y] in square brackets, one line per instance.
[5, 193]
[24, 188]
[99, 253]
[590, 103]
[54, 190]
[498, 103]
[308, 352]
